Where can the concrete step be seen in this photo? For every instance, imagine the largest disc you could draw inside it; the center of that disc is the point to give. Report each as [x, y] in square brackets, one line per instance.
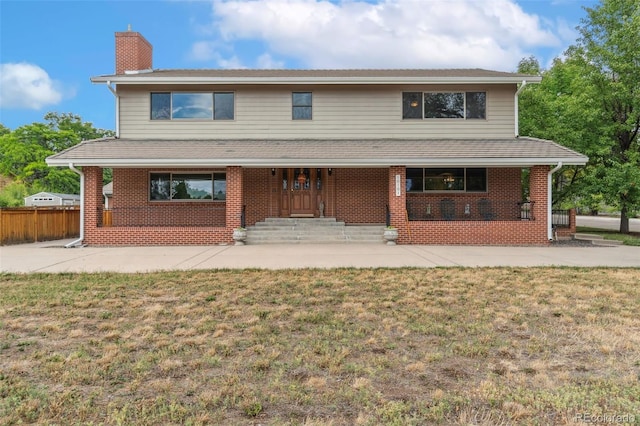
[597, 240]
[580, 236]
[299, 221]
[311, 230]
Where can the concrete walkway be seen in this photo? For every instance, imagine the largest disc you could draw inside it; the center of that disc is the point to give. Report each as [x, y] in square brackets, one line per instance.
[53, 257]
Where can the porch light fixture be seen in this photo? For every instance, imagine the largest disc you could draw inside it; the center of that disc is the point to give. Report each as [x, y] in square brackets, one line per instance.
[273, 172]
[329, 171]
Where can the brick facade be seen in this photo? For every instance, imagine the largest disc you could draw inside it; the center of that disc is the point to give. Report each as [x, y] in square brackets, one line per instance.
[571, 230]
[504, 184]
[361, 195]
[132, 208]
[133, 52]
[351, 195]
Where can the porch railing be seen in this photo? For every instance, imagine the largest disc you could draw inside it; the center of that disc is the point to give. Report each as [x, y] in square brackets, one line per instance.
[560, 218]
[450, 209]
[164, 215]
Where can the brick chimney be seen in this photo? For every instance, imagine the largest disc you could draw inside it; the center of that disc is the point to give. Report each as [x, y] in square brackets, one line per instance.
[133, 52]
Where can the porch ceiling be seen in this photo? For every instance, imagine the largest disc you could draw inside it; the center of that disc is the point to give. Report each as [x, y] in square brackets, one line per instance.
[111, 152]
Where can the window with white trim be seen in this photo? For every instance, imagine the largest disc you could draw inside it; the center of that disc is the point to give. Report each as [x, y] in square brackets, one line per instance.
[461, 105]
[166, 186]
[192, 106]
[458, 179]
[302, 105]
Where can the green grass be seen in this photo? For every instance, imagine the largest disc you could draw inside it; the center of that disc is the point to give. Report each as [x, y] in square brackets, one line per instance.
[448, 346]
[632, 239]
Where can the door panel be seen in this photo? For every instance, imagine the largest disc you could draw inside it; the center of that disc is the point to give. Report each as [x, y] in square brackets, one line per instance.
[302, 191]
[285, 183]
[299, 189]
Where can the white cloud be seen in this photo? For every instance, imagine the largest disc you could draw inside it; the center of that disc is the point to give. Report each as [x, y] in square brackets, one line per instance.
[24, 85]
[203, 51]
[492, 34]
[265, 61]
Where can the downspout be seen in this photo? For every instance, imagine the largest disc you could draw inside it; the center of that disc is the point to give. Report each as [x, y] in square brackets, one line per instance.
[113, 91]
[550, 200]
[517, 127]
[78, 242]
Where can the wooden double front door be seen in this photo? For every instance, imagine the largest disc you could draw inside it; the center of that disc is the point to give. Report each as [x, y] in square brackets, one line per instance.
[301, 189]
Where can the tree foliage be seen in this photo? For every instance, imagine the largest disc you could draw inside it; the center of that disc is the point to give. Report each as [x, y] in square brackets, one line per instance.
[590, 101]
[24, 150]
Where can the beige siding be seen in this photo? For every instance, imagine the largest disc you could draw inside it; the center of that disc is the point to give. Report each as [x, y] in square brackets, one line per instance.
[339, 112]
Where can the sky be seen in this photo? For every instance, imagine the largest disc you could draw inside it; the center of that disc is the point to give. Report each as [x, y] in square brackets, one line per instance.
[50, 49]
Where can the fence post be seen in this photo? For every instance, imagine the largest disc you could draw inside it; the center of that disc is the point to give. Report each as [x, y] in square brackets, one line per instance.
[64, 223]
[35, 224]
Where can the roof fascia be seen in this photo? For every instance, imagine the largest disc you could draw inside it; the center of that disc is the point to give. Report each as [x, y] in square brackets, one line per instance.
[150, 79]
[359, 163]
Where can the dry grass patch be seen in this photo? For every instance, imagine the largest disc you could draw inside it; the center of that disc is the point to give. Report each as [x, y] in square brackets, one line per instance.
[321, 347]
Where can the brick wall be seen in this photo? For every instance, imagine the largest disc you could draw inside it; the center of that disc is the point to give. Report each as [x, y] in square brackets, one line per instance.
[361, 195]
[133, 52]
[131, 190]
[568, 232]
[504, 184]
[235, 197]
[260, 194]
[398, 203]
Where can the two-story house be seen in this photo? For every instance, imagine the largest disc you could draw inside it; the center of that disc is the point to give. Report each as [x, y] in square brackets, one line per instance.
[434, 153]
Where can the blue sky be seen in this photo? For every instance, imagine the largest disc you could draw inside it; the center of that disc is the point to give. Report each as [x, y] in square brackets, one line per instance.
[50, 49]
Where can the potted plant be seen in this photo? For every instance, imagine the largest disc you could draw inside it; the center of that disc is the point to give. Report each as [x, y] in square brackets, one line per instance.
[239, 236]
[390, 235]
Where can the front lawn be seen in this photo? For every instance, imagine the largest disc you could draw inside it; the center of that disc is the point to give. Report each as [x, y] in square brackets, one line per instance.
[321, 347]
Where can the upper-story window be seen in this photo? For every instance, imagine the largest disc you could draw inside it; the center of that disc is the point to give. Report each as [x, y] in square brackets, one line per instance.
[302, 105]
[192, 106]
[464, 105]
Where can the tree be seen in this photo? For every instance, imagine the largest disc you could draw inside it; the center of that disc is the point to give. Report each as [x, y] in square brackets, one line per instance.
[23, 151]
[610, 51]
[590, 101]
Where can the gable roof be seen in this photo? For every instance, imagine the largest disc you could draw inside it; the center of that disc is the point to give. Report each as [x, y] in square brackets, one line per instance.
[107, 190]
[55, 194]
[111, 152]
[342, 76]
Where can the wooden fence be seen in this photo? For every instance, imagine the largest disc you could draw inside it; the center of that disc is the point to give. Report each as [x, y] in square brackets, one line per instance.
[33, 224]
[107, 217]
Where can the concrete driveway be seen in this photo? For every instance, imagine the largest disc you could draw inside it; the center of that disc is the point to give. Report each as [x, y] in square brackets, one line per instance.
[53, 257]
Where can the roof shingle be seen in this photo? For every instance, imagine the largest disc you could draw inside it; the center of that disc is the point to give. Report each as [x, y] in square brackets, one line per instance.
[338, 152]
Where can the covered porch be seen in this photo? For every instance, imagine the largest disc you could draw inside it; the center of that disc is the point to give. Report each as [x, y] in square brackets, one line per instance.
[358, 182]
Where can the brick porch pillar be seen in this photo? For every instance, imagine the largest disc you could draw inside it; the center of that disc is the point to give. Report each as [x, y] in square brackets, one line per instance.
[92, 202]
[398, 203]
[234, 197]
[538, 193]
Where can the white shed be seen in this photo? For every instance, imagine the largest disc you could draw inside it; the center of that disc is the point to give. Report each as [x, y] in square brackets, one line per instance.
[49, 199]
[107, 192]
